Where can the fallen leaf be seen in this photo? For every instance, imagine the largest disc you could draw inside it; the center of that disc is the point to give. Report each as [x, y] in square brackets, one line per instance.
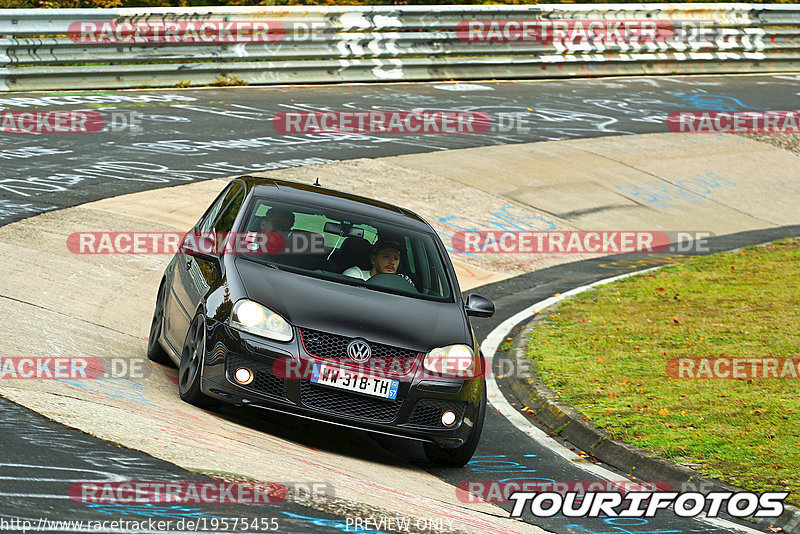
[663, 411]
[601, 360]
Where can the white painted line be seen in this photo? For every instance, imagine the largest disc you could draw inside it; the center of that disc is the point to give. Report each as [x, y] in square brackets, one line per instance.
[489, 348]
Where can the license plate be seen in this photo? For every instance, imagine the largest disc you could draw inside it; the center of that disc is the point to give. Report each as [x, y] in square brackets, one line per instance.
[340, 378]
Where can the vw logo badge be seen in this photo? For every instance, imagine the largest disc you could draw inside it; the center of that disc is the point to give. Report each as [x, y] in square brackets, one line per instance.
[358, 351]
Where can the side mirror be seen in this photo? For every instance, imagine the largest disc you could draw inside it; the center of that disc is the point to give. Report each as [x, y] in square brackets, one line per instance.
[478, 306]
[199, 245]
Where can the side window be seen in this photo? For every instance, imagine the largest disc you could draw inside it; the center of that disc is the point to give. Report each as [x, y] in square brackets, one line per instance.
[224, 222]
[204, 225]
[207, 221]
[211, 220]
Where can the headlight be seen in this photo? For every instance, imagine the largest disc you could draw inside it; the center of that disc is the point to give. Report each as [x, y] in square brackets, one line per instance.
[256, 319]
[453, 360]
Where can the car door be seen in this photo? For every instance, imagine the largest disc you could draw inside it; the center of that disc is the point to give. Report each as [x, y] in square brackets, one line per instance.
[193, 276]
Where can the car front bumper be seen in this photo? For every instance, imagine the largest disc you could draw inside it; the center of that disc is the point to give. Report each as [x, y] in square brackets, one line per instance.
[415, 414]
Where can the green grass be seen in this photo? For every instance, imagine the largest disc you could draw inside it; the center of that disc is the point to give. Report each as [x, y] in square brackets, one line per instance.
[606, 351]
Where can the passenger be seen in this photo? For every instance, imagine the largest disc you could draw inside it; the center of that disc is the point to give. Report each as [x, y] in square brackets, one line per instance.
[385, 259]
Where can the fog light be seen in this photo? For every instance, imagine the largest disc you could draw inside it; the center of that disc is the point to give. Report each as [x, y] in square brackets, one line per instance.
[449, 418]
[243, 375]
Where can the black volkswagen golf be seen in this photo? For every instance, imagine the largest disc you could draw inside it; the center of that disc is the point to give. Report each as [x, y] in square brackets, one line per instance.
[329, 306]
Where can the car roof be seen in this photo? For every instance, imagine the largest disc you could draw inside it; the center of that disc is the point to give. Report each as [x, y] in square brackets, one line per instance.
[263, 186]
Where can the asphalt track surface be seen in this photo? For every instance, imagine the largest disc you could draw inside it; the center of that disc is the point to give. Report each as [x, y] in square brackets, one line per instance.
[41, 460]
[185, 135]
[210, 133]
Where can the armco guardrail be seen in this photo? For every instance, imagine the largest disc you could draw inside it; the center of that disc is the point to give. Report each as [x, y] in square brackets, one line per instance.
[164, 47]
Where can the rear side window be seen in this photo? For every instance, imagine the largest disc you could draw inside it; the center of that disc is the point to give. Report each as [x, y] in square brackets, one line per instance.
[225, 220]
[221, 217]
[212, 217]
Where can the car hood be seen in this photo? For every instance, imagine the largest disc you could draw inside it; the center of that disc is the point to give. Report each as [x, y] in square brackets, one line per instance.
[352, 311]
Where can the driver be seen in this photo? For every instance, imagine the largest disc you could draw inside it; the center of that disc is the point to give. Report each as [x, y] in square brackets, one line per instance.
[385, 259]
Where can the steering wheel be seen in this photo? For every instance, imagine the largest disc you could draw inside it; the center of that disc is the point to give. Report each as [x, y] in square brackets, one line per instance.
[392, 281]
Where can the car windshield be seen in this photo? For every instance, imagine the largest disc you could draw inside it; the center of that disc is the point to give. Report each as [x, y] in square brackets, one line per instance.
[346, 248]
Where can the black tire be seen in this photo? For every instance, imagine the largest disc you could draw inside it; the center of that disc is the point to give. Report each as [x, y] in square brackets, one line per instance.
[155, 352]
[459, 456]
[190, 370]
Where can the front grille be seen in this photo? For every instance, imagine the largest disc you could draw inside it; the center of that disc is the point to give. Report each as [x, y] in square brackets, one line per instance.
[428, 412]
[349, 405]
[384, 358]
[264, 381]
